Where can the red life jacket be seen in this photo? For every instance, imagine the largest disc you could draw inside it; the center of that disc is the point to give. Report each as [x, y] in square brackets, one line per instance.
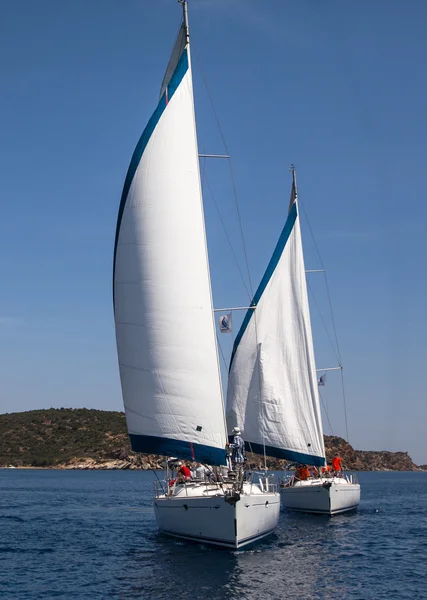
[185, 471]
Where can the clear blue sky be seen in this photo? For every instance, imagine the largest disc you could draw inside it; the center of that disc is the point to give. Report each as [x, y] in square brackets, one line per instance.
[336, 87]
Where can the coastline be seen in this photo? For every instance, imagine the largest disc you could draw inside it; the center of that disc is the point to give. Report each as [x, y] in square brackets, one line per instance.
[90, 439]
[103, 467]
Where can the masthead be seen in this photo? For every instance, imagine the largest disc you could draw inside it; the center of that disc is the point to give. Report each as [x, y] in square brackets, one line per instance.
[185, 16]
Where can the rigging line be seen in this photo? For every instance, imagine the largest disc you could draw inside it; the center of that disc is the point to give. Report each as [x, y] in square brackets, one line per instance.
[337, 356]
[233, 183]
[205, 180]
[160, 483]
[222, 353]
[326, 281]
[240, 225]
[345, 405]
[326, 413]
[332, 318]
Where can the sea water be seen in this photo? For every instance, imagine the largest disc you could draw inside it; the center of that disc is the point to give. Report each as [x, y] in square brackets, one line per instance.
[92, 534]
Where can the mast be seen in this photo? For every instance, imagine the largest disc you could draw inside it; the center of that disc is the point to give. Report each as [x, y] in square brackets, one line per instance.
[293, 170]
[187, 37]
[185, 17]
[294, 192]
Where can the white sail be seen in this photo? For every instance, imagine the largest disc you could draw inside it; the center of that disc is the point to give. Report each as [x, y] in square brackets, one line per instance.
[272, 387]
[165, 329]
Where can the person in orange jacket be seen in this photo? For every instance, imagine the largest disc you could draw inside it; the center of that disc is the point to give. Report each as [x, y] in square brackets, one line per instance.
[302, 473]
[326, 469]
[337, 464]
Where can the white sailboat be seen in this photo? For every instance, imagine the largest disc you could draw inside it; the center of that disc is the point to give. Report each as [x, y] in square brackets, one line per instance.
[165, 327]
[273, 382]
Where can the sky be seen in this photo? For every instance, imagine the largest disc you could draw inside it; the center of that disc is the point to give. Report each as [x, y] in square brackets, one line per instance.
[337, 88]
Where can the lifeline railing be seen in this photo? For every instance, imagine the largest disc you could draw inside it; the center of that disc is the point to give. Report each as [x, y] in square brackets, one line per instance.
[160, 487]
[165, 487]
[289, 478]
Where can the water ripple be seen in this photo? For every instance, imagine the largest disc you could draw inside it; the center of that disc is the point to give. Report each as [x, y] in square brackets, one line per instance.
[89, 535]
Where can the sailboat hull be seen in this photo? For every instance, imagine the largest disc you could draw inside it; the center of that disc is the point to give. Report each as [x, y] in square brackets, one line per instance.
[322, 496]
[213, 519]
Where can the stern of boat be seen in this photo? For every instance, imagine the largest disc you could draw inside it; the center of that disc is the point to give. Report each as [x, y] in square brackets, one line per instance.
[326, 496]
[218, 515]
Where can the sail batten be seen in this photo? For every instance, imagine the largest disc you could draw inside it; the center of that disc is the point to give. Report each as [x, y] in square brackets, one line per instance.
[272, 387]
[163, 310]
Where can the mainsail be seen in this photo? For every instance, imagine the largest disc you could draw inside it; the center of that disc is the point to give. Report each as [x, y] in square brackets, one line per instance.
[165, 329]
[272, 387]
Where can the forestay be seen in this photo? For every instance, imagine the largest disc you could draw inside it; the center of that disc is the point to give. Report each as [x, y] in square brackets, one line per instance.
[162, 295]
[272, 386]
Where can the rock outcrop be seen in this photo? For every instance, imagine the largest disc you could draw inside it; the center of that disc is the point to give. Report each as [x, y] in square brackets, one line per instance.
[366, 460]
[354, 460]
[120, 459]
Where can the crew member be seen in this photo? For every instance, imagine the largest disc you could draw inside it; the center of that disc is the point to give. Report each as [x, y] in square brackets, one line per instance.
[337, 464]
[201, 472]
[302, 473]
[238, 450]
[326, 469]
[184, 473]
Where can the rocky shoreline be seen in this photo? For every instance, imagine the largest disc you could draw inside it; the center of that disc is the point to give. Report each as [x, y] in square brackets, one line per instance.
[87, 439]
[354, 460]
[143, 462]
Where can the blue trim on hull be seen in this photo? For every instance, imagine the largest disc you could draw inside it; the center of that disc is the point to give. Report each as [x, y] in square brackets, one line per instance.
[280, 246]
[178, 75]
[150, 444]
[291, 455]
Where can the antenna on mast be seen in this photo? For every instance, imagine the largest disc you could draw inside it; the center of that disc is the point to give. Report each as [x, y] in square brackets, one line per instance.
[185, 16]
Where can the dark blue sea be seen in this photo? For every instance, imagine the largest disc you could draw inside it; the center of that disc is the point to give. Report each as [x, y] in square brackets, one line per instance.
[92, 534]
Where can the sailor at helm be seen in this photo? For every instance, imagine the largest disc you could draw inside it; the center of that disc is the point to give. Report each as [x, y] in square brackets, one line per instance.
[238, 448]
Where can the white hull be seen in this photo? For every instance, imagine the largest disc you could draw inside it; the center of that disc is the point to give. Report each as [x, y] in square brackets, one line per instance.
[322, 496]
[204, 515]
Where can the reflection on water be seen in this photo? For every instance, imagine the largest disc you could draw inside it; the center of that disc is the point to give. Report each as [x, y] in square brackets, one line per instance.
[296, 562]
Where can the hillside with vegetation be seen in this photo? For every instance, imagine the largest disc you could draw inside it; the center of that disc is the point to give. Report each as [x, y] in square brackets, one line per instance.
[84, 438]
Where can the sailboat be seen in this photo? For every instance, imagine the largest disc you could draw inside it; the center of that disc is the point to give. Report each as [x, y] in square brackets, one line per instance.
[272, 379]
[165, 328]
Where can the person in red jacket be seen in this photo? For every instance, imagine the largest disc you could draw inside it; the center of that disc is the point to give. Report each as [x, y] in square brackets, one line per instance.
[336, 464]
[184, 473]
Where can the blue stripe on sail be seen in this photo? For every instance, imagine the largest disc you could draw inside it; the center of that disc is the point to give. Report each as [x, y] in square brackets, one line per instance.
[180, 71]
[291, 455]
[150, 444]
[284, 236]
